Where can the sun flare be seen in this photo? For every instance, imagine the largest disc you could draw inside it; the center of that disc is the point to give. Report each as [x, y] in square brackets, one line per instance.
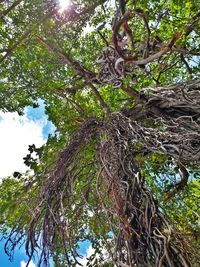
[64, 4]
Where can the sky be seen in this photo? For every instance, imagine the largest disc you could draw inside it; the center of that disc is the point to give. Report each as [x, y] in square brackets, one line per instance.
[19, 260]
[16, 134]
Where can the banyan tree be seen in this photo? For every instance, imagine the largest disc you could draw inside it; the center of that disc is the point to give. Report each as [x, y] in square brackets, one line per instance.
[120, 82]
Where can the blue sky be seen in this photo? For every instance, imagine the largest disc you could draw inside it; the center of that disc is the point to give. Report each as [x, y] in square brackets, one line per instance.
[37, 114]
[16, 134]
[19, 258]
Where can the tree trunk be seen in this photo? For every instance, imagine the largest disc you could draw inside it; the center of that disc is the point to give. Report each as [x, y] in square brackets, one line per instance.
[166, 121]
[145, 236]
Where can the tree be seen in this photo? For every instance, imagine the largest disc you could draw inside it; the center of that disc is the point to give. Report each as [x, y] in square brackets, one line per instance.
[124, 96]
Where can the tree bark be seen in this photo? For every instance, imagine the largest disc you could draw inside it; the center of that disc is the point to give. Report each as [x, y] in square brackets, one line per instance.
[166, 121]
[145, 235]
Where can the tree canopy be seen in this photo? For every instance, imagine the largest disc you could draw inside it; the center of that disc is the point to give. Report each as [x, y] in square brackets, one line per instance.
[120, 82]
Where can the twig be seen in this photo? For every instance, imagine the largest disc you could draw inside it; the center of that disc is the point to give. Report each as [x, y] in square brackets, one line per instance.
[186, 64]
[91, 8]
[143, 16]
[103, 37]
[99, 97]
[182, 184]
[11, 49]
[190, 28]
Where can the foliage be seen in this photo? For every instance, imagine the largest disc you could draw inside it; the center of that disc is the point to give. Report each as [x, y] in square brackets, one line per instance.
[120, 146]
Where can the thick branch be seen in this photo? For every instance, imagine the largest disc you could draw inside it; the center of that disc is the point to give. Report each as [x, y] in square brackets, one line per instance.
[132, 60]
[133, 93]
[151, 58]
[116, 28]
[5, 12]
[73, 64]
[122, 6]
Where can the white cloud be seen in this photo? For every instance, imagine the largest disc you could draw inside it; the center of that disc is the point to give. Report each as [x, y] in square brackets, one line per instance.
[91, 251]
[23, 264]
[16, 133]
[84, 260]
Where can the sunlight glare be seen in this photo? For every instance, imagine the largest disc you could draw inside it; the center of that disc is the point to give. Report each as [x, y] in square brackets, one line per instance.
[64, 4]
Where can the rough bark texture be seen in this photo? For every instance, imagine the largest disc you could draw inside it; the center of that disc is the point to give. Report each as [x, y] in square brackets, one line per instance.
[145, 237]
[174, 116]
[166, 121]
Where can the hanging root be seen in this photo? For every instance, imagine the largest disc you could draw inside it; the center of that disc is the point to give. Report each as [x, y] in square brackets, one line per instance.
[52, 215]
[145, 236]
[98, 170]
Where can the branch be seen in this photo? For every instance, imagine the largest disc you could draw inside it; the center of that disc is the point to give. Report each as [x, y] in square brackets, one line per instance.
[143, 15]
[89, 76]
[122, 6]
[72, 15]
[5, 12]
[182, 184]
[133, 93]
[132, 60]
[76, 88]
[21, 39]
[77, 107]
[73, 64]
[11, 49]
[101, 101]
[161, 72]
[151, 58]
[186, 64]
[103, 37]
[116, 28]
[190, 28]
